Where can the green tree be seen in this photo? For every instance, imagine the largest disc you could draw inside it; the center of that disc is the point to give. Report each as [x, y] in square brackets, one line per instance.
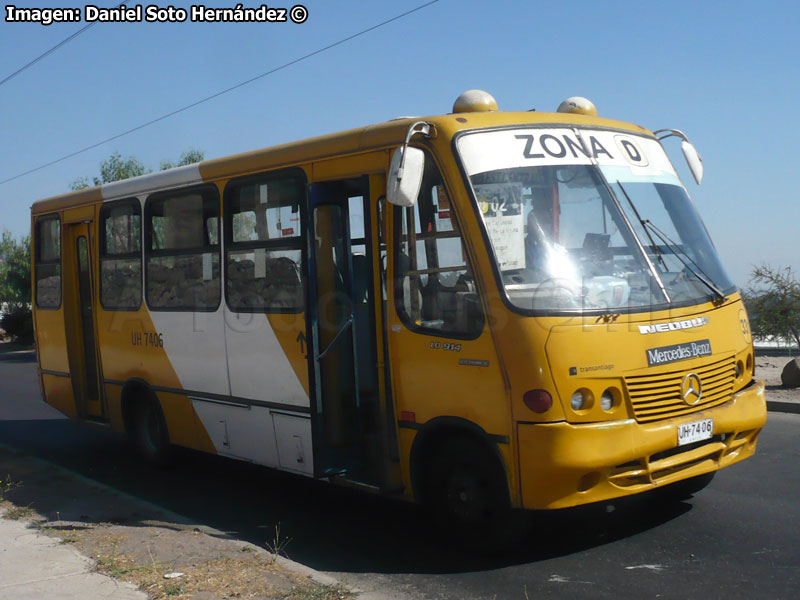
[773, 303]
[15, 286]
[15, 269]
[189, 157]
[117, 168]
[114, 168]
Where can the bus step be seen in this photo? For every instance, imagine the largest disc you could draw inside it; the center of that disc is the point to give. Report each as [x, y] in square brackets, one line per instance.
[352, 483]
[367, 487]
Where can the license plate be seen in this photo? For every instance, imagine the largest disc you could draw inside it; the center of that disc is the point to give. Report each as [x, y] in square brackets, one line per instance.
[695, 431]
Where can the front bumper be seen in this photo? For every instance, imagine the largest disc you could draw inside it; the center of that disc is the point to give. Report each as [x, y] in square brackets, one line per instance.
[563, 464]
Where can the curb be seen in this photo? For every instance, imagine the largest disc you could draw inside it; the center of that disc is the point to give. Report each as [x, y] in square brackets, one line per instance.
[783, 407]
[769, 351]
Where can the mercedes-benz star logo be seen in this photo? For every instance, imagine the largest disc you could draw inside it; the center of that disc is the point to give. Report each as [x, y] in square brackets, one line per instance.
[691, 389]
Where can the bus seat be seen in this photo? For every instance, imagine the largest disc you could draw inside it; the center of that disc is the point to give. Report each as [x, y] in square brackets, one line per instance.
[286, 286]
[460, 305]
[434, 299]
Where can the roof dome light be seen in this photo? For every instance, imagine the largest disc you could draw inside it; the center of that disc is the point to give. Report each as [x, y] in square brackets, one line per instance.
[475, 101]
[578, 106]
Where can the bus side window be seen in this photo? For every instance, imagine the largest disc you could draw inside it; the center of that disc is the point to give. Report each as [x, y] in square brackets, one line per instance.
[434, 287]
[182, 258]
[263, 243]
[48, 262]
[121, 255]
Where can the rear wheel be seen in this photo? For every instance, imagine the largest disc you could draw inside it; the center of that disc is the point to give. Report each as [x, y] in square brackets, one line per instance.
[152, 436]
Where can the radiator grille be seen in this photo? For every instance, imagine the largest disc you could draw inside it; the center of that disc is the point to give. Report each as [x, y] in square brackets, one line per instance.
[657, 396]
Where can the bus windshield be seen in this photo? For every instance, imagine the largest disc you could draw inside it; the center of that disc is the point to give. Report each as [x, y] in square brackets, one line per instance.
[589, 220]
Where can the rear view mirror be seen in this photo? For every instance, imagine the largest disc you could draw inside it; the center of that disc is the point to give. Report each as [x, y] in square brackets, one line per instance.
[407, 168]
[693, 160]
[405, 176]
[689, 151]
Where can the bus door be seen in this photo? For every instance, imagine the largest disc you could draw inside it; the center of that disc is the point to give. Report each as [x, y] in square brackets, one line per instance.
[79, 319]
[345, 398]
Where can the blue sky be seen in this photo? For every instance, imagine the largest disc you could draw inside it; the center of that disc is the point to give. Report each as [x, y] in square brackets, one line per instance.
[726, 73]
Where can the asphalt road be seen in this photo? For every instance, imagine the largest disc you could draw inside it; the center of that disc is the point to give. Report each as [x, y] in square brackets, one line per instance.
[739, 538]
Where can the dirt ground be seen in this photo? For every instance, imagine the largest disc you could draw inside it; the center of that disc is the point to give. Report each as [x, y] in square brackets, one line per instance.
[769, 368]
[160, 552]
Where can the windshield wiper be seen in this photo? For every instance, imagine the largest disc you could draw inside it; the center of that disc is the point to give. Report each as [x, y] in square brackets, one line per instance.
[635, 238]
[677, 251]
[653, 245]
[624, 216]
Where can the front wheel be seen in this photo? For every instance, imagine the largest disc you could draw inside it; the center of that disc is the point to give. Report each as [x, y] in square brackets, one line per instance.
[152, 436]
[468, 494]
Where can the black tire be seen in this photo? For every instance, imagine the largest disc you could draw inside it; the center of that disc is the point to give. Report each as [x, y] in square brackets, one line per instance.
[151, 434]
[467, 493]
[682, 490]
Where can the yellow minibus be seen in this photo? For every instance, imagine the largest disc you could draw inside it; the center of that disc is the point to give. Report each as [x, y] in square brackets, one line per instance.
[480, 310]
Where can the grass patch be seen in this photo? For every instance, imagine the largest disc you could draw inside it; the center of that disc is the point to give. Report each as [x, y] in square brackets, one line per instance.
[117, 566]
[173, 589]
[278, 545]
[18, 512]
[320, 592]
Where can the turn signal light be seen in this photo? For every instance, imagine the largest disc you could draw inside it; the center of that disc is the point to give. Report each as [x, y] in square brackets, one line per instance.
[539, 401]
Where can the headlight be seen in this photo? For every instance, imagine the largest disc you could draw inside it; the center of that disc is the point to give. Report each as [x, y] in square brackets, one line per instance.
[607, 400]
[580, 400]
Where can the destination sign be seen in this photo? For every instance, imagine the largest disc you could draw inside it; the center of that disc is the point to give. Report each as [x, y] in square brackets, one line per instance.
[535, 147]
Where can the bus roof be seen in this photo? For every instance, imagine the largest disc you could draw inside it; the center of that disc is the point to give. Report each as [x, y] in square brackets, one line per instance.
[372, 137]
